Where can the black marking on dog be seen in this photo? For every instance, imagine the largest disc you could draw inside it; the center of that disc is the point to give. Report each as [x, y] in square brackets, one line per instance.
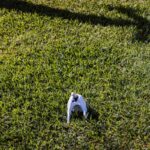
[75, 98]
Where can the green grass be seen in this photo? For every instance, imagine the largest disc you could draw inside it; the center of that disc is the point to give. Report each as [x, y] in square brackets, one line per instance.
[100, 49]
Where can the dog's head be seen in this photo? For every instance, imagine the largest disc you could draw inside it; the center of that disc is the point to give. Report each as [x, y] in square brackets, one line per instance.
[74, 97]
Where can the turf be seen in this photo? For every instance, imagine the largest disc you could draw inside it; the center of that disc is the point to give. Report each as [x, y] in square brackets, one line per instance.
[100, 49]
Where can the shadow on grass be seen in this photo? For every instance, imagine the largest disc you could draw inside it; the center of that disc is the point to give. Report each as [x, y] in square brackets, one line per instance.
[140, 22]
[93, 114]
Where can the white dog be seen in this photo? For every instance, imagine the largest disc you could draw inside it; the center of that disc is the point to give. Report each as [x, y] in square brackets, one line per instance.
[76, 102]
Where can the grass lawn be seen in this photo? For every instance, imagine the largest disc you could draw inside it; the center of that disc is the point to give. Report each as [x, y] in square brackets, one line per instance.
[100, 49]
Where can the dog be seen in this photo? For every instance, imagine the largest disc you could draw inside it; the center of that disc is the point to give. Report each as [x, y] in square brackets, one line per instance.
[76, 103]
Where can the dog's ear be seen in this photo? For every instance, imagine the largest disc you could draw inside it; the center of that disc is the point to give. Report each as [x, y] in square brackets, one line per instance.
[72, 94]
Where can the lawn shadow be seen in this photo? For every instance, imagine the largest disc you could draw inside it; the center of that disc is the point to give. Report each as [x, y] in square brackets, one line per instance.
[140, 22]
[92, 113]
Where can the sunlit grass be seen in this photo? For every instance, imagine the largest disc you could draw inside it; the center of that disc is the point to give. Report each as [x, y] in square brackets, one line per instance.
[45, 56]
